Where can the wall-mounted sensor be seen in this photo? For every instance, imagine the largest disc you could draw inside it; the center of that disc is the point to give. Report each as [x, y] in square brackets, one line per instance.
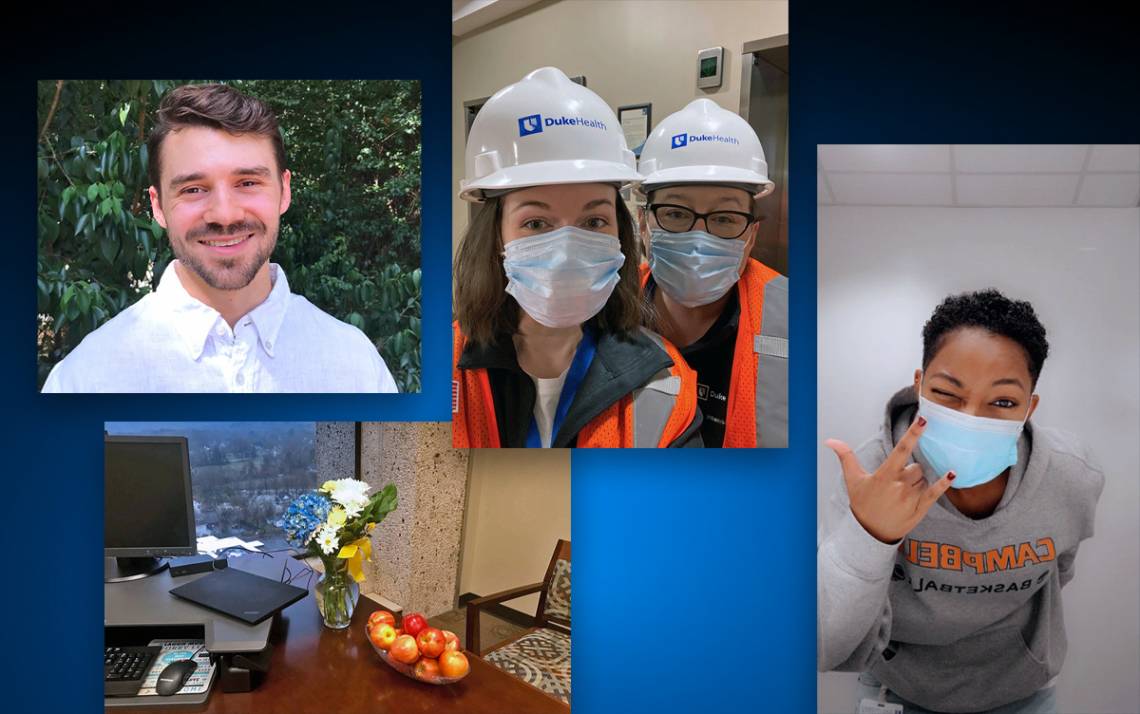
[710, 64]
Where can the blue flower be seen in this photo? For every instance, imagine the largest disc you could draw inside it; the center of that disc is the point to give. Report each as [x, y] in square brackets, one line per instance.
[304, 516]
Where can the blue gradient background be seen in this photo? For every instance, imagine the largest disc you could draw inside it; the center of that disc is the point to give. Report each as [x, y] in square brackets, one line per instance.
[694, 572]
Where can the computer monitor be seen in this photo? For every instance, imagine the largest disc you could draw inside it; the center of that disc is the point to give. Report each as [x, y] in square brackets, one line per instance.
[148, 508]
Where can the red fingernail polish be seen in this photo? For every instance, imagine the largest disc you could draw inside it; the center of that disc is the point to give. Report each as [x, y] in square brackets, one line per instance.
[922, 421]
[952, 476]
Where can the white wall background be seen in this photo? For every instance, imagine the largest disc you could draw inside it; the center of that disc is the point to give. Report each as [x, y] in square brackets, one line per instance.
[881, 273]
[630, 51]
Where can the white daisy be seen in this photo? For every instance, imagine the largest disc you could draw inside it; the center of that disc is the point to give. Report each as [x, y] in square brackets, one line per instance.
[327, 540]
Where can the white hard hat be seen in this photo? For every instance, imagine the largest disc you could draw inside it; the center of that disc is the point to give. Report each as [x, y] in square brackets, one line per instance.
[544, 129]
[704, 143]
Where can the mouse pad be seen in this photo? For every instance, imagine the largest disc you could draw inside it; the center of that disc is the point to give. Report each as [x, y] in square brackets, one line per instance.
[172, 651]
[249, 598]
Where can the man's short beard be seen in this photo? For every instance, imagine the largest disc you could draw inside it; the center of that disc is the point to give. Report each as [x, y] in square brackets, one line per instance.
[225, 274]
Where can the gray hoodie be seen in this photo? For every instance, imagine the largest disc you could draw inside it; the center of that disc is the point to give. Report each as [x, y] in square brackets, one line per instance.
[963, 615]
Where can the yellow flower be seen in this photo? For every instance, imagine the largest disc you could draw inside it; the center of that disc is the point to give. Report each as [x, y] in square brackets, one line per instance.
[337, 517]
[371, 526]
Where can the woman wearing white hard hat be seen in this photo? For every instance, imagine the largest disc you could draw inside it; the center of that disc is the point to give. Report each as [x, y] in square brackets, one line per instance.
[547, 345]
[703, 170]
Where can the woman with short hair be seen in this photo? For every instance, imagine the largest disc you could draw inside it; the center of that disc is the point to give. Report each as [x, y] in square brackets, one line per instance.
[942, 562]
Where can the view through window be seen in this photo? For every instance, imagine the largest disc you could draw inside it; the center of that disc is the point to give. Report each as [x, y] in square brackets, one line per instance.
[243, 474]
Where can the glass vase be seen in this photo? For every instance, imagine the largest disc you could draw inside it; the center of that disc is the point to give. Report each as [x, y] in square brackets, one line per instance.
[336, 594]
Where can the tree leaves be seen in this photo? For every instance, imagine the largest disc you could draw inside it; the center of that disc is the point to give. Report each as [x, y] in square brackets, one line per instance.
[84, 222]
[108, 247]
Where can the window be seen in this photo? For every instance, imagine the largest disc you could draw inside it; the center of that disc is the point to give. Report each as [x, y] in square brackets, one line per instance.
[243, 474]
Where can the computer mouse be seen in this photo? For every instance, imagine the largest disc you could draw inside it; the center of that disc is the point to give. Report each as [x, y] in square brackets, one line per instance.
[174, 676]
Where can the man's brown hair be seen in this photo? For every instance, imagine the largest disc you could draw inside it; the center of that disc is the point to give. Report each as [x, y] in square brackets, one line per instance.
[215, 106]
[484, 310]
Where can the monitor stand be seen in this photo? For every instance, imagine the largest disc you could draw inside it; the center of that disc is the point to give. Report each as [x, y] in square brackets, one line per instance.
[118, 570]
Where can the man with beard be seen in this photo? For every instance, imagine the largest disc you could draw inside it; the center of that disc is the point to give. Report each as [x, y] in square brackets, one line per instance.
[222, 318]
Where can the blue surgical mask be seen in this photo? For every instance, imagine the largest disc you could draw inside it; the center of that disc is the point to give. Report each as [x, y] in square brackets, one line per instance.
[976, 449]
[694, 268]
[563, 277]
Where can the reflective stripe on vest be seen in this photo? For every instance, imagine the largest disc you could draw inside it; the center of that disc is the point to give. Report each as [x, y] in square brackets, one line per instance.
[758, 394]
[653, 415]
[757, 410]
[664, 408]
[771, 347]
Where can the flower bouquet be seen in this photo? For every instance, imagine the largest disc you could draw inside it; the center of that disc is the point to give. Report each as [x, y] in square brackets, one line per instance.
[333, 524]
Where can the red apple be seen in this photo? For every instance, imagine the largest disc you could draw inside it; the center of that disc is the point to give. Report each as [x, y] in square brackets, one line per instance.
[381, 616]
[383, 635]
[427, 669]
[431, 642]
[404, 649]
[414, 623]
[452, 641]
[453, 664]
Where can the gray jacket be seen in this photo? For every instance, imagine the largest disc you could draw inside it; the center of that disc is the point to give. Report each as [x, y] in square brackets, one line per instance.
[963, 615]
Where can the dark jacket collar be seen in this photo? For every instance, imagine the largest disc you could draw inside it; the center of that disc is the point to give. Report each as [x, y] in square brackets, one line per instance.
[499, 354]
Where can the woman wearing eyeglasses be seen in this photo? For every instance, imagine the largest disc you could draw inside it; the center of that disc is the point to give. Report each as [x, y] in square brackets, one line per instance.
[548, 346]
[704, 170]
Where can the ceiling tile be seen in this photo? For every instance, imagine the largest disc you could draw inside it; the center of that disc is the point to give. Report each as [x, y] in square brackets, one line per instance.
[988, 158]
[1017, 189]
[1118, 190]
[891, 189]
[1115, 157]
[885, 157]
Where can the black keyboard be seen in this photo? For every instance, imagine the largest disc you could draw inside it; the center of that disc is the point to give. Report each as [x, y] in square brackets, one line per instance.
[124, 669]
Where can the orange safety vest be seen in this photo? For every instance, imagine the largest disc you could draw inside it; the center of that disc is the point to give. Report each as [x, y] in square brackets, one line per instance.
[758, 389]
[653, 415]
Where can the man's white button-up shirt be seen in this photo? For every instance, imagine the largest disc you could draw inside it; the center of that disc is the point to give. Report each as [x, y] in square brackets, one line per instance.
[170, 342]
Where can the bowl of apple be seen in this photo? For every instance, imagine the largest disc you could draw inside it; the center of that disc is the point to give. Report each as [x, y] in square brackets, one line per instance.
[417, 650]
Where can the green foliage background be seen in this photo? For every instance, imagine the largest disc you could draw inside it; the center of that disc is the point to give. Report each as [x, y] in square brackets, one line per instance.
[350, 241]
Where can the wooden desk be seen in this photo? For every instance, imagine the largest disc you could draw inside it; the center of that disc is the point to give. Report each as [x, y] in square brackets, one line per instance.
[316, 670]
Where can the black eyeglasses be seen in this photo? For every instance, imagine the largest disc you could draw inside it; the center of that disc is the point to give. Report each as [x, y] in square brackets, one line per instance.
[679, 219]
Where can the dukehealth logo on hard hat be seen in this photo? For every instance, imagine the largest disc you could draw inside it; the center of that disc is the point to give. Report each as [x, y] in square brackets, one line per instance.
[534, 123]
[530, 125]
[681, 140]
